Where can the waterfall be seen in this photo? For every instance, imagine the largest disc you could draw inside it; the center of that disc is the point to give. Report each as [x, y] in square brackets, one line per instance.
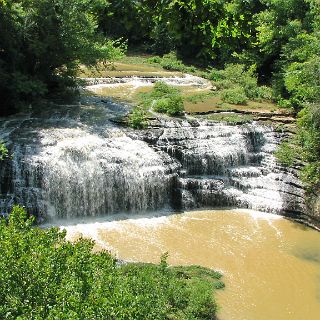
[228, 165]
[74, 161]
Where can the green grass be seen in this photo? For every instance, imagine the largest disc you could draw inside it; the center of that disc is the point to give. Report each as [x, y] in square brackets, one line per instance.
[231, 117]
[199, 97]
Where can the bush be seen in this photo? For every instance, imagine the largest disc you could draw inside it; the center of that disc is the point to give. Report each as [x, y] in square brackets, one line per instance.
[155, 59]
[172, 105]
[164, 99]
[264, 93]
[137, 118]
[284, 103]
[171, 62]
[235, 95]
[3, 151]
[161, 88]
[236, 76]
[161, 105]
[43, 276]
[175, 105]
[286, 153]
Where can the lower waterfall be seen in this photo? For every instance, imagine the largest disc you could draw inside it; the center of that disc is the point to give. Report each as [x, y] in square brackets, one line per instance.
[75, 161]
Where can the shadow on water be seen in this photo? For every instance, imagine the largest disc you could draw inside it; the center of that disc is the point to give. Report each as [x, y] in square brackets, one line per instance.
[311, 254]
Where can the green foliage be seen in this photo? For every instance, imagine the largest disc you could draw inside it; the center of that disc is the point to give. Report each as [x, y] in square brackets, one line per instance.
[41, 44]
[231, 117]
[305, 146]
[302, 81]
[162, 40]
[164, 99]
[43, 276]
[239, 84]
[263, 93]
[171, 62]
[161, 105]
[132, 20]
[172, 105]
[137, 118]
[161, 88]
[200, 97]
[235, 95]
[199, 30]
[195, 271]
[286, 153]
[207, 30]
[3, 151]
[309, 139]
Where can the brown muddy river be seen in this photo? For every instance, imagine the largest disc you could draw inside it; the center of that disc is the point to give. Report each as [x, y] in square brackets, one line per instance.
[271, 266]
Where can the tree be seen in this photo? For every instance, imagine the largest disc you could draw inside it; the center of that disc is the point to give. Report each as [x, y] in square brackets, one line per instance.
[208, 30]
[41, 44]
[280, 21]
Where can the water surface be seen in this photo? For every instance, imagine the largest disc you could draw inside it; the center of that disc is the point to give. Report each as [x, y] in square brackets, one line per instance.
[271, 266]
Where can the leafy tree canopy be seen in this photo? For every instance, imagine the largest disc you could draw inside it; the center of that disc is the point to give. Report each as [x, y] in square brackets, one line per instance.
[41, 44]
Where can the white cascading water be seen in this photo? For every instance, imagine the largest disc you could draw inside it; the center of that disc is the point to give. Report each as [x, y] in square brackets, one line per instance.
[186, 80]
[74, 161]
[228, 165]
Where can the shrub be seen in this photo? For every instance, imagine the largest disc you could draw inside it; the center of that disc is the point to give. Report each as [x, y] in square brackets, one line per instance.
[164, 99]
[235, 95]
[284, 103]
[3, 151]
[154, 59]
[137, 118]
[175, 106]
[236, 76]
[161, 105]
[161, 88]
[43, 276]
[286, 153]
[171, 62]
[172, 105]
[264, 93]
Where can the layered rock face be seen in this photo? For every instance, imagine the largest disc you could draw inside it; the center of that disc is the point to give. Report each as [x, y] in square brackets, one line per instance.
[74, 161]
